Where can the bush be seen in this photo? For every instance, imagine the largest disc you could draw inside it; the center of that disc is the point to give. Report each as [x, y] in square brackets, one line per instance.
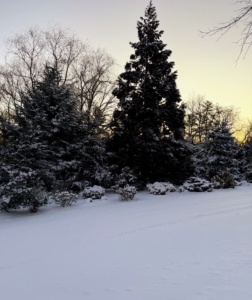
[224, 180]
[94, 192]
[23, 189]
[160, 188]
[169, 187]
[127, 193]
[196, 184]
[65, 198]
[126, 177]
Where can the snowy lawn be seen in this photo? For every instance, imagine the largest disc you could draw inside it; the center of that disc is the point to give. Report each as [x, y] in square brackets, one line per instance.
[181, 246]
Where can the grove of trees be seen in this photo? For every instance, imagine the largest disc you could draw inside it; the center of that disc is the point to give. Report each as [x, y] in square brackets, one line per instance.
[67, 124]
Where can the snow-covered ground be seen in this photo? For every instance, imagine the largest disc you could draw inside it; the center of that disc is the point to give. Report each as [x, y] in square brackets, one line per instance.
[181, 246]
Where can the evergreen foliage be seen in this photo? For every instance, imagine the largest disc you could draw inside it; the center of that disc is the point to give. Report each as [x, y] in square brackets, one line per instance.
[196, 184]
[65, 198]
[94, 192]
[247, 161]
[23, 188]
[51, 137]
[126, 177]
[148, 125]
[160, 188]
[219, 153]
[224, 180]
[127, 193]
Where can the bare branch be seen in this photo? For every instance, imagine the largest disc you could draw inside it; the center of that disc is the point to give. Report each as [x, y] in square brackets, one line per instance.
[89, 71]
[244, 17]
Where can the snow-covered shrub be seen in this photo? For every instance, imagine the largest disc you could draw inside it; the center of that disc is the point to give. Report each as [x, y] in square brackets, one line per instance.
[94, 192]
[196, 184]
[169, 187]
[218, 153]
[65, 198]
[23, 189]
[102, 175]
[160, 188]
[127, 193]
[156, 188]
[126, 177]
[224, 180]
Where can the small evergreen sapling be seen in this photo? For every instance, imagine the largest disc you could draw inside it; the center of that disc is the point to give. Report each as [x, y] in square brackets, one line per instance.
[224, 180]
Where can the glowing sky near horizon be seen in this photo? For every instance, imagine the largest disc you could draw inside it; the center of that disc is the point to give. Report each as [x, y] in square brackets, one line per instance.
[205, 66]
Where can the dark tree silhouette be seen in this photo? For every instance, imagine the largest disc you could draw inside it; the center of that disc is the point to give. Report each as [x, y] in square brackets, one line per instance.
[148, 125]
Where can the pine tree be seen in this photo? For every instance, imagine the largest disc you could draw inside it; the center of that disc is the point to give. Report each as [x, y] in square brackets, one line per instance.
[50, 139]
[148, 125]
[219, 153]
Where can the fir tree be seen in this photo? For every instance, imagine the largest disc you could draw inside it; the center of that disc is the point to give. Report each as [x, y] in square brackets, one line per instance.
[219, 153]
[51, 139]
[148, 125]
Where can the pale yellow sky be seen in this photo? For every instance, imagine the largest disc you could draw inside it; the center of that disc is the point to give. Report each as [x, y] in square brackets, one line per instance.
[205, 66]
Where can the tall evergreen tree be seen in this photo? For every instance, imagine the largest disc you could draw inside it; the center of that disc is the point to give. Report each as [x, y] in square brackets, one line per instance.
[51, 140]
[148, 125]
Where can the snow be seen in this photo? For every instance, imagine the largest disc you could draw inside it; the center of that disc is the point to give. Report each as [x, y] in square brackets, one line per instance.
[160, 188]
[179, 246]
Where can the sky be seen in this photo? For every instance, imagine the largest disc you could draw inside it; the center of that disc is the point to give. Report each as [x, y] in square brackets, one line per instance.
[206, 66]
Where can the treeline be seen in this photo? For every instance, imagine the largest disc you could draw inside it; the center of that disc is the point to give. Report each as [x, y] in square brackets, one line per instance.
[62, 131]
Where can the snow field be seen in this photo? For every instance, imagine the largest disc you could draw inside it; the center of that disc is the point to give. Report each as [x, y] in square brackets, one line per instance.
[180, 246]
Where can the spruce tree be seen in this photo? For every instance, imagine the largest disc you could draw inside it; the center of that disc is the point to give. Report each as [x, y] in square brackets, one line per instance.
[219, 153]
[148, 125]
[50, 142]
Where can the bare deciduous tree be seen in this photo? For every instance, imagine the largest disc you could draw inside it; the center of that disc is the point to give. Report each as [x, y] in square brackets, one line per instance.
[94, 82]
[246, 134]
[64, 49]
[89, 71]
[244, 17]
[203, 115]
